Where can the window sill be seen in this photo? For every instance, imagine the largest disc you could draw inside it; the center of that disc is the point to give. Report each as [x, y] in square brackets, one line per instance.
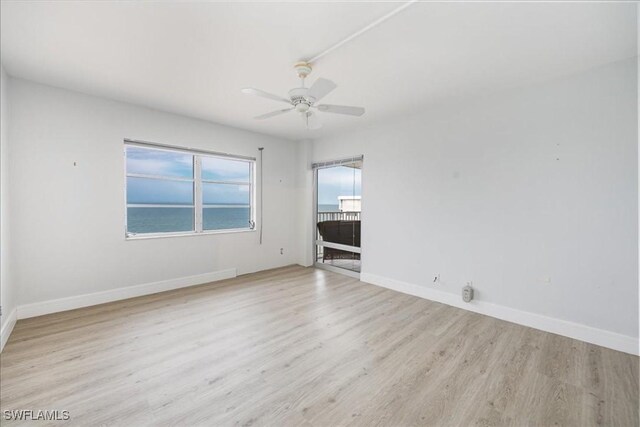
[147, 236]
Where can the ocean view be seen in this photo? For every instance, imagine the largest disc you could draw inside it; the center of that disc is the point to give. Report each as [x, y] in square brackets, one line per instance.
[162, 187]
[176, 219]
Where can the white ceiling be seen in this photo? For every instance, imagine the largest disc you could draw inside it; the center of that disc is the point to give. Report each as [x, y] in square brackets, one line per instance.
[193, 58]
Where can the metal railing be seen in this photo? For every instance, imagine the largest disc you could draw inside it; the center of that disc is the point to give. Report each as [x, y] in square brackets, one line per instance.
[338, 216]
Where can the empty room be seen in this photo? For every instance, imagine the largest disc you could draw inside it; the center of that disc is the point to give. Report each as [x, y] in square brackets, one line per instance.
[300, 213]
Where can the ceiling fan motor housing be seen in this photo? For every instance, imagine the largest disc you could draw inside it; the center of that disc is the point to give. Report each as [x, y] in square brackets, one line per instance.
[300, 100]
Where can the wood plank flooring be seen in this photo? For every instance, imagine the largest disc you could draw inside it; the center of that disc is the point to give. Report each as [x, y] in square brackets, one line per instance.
[305, 347]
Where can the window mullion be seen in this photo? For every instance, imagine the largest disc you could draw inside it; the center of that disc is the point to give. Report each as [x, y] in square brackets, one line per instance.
[197, 182]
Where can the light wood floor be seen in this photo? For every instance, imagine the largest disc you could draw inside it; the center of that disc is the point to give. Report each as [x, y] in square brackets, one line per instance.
[305, 347]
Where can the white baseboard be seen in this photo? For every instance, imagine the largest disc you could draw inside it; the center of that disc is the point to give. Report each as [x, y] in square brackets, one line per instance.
[86, 300]
[7, 327]
[565, 328]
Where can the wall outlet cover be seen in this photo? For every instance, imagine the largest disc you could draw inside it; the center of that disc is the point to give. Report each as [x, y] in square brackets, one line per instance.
[467, 293]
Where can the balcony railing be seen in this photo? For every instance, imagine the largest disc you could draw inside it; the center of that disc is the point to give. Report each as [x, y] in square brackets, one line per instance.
[338, 216]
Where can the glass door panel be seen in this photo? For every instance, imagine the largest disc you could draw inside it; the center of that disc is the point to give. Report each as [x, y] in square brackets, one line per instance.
[338, 209]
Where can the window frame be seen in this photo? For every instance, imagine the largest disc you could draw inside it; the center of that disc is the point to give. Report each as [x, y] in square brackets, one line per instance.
[197, 180]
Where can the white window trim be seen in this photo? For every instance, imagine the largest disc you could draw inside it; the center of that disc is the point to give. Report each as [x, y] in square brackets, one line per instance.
[197, 180]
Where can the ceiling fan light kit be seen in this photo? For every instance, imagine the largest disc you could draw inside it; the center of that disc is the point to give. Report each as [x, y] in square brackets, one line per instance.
[303, 100]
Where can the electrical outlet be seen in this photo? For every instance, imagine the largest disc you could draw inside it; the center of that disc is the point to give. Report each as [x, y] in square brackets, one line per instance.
[281, 251]
[467, 292]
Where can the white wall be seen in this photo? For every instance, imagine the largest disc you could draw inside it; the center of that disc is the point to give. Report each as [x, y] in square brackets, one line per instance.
[532, 194]
[7, 286]
[68, 221]
[304, 225]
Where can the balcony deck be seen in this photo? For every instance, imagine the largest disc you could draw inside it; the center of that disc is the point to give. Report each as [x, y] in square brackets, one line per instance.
[348, 264]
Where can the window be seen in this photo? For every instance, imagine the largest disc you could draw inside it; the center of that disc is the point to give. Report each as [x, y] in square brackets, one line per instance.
[175, 191]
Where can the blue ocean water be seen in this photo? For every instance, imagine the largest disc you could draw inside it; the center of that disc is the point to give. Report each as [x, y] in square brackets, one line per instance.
[174, 219]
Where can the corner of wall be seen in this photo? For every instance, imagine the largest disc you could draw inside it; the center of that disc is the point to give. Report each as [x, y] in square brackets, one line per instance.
[7, 291]
[7, 327]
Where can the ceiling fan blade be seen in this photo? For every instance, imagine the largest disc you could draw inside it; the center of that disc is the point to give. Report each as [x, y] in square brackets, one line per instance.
[341, 109]
[311, 120]
[258, 92]
[273, 113]
[320, 89]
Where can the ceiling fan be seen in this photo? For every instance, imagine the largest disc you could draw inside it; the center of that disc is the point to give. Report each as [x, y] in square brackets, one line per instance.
[304, 100]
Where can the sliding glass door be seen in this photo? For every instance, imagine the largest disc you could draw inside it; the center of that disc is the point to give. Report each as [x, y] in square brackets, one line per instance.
[338, 206]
